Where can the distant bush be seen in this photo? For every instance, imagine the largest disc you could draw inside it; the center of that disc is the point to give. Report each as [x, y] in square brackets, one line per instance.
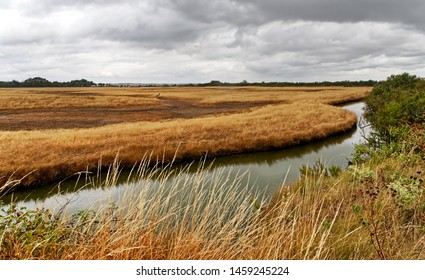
[335, 170]
[36, 82]
[319, 169]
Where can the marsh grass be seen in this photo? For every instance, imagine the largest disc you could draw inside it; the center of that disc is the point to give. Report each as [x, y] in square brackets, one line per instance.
[60, 153]
[167, 213]
[160, 215]
[276, 118]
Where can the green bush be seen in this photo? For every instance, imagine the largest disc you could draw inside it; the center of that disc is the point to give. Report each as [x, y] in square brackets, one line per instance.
[396, 102]
[334, 171]
[30, 229]
[361, 172]
[318, 169]
[407, 191]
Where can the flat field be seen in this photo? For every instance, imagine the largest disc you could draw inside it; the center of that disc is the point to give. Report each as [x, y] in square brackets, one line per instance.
[47, 134]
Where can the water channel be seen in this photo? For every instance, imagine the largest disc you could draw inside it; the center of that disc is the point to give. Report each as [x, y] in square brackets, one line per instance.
[262, 172]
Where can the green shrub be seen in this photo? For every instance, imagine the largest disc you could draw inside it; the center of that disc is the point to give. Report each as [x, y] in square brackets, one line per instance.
[396, 102]
[407, 192]
[361, 172]
[334, 171]
[318, 169]
[29, 228]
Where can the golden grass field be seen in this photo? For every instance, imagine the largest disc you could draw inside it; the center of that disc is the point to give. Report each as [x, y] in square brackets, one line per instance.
[47, 134]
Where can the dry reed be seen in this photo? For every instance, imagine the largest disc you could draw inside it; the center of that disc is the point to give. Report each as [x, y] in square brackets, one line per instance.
[209, 215]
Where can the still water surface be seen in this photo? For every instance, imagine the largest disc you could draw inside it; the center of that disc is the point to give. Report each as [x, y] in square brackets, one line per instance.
[256, 172]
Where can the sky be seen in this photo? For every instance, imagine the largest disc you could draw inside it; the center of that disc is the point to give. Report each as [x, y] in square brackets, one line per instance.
[196, 41]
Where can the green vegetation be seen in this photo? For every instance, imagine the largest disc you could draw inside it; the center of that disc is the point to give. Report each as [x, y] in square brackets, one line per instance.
[320, 169]
[398, 102]
[42, 82]
[396, 110]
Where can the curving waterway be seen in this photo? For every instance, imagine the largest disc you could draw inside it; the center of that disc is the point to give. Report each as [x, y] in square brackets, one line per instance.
[261, 172]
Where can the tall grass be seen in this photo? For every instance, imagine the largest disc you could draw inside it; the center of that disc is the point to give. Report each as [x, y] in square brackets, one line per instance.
[160, 212]
[371, 211]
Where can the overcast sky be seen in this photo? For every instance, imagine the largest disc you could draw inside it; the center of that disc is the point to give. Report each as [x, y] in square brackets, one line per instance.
[180, 41]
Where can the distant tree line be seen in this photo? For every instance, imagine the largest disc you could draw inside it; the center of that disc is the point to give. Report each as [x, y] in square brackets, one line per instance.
[41, 82]
[368, 83]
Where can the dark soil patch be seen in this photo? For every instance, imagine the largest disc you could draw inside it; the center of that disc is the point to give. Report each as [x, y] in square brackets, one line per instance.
[86, 117]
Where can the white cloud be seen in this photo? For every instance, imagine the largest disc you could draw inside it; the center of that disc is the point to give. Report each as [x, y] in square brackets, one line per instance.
[197, 41]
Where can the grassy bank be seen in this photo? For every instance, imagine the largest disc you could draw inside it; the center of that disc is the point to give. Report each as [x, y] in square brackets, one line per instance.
[274, 118]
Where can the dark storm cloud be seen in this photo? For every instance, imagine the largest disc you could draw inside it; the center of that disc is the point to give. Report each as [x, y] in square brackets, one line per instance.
[261, 11]
[200, 40]
[407, 11]
[165, 22]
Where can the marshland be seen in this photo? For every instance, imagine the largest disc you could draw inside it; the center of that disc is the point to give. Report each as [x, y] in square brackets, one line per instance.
[372, 209]
[59, 132]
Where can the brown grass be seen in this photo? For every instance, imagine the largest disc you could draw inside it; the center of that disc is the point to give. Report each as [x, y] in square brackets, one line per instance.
[294, 116]
[54, 98]
[352, 216]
